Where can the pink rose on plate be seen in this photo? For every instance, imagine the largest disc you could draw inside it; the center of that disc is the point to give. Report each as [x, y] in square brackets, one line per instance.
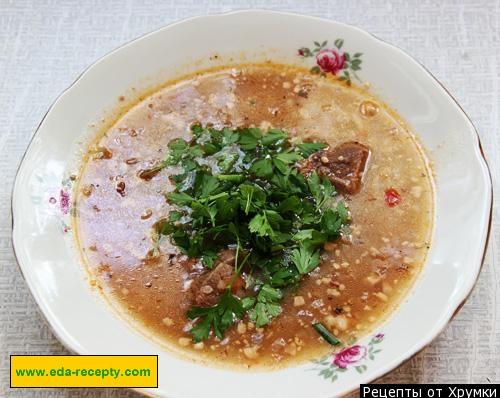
[349, 356]
[64, 202]
[330, 60]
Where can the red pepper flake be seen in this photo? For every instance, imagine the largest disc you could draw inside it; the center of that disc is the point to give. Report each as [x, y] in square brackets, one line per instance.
[238, 284]
[392, 197]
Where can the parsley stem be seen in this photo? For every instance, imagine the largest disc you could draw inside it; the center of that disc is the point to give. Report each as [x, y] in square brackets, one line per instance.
[214, 197]
[237, 269]
[231, 177]
[249, 200]
[325, 333]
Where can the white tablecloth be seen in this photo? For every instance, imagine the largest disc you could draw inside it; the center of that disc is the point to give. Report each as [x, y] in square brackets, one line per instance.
[45, 44]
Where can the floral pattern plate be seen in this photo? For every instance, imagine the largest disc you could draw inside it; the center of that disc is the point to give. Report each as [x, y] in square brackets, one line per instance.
[42, 235]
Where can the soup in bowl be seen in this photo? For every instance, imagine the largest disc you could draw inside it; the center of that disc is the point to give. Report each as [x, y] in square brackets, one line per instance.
[256, 214]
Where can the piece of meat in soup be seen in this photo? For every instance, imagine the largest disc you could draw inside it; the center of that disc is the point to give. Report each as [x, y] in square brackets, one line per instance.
[207, 287]
[343, 165]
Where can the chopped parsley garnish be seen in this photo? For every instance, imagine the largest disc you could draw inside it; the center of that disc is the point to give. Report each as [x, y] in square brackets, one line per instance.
[218, 318]
[242, 189]
[265, 306]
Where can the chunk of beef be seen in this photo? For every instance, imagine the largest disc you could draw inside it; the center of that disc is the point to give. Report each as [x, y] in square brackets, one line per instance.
[343, 165]
[208, 286]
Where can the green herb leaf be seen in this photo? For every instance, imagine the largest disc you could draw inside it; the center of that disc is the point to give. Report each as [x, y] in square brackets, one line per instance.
[305, 259]
[179, 198]
[308, 148]
[208, 259]
[291, 204]
[343, 212]
[217, 319]
[252, 198]
[321, 189]
[263, 224]
[209, 185]
[273, 136]
[266, 306]
[249, 138]
[177, 148]
[289, 157]
[262, 168]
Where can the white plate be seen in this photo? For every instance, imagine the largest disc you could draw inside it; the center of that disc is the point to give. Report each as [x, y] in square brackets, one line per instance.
[86, 326]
